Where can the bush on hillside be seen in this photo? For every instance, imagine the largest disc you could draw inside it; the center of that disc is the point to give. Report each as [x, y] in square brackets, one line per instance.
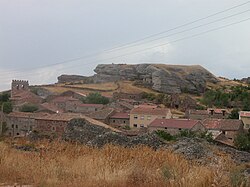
[95, 98]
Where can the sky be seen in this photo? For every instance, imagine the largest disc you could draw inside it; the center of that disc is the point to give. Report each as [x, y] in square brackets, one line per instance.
[76, 35]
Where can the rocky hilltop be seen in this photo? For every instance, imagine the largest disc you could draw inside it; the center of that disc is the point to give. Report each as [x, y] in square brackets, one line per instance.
[160, 77]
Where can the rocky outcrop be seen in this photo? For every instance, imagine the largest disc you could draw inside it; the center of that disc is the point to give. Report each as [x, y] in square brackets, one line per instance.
[73, 78]
[160, 77]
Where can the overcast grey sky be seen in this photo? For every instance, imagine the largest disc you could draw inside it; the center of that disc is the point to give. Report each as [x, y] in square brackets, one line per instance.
[35, 33]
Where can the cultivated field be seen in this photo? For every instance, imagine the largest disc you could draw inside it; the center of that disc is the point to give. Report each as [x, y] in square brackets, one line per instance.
[64, 164]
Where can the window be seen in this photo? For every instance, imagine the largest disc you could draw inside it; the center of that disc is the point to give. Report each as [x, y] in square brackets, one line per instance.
[113, 121]
[53, 129]
[166, 128]
[179, 129]
[163, 117]
[12, 126]
[135, 125]
[141, 125]
[149, 118]
[223, 112]
[16, 126]
[124, 121]
[135, 117]
[17, 134]
[9, 133]
[212, 112]
[142, 117]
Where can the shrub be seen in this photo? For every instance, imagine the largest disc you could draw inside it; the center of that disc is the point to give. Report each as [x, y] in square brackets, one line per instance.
[242, 142]
[164, 135]
[95, 98]
[7, 107]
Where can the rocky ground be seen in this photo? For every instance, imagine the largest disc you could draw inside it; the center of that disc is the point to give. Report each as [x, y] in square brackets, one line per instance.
[191, 148]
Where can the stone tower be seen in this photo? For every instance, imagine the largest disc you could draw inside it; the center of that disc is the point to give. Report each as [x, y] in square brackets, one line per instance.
[19, 85]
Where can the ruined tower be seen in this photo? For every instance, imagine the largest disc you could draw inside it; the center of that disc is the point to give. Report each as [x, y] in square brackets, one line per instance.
[18, 86]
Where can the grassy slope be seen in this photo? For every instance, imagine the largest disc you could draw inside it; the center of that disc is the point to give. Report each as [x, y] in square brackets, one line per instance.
[63, 164]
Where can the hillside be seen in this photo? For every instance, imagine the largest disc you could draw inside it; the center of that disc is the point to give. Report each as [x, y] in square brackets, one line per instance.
[158, 77]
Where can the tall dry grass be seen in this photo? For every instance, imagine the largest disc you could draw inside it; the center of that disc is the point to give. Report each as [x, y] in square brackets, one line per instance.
[64, 164]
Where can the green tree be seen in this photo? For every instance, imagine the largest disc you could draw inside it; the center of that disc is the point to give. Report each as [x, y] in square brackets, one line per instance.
[242, 142]
[234, 114]
[96, 98]
[29, 108]
[7, 107]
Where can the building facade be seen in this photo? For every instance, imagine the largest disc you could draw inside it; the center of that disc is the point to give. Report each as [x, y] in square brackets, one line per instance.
[141, 117]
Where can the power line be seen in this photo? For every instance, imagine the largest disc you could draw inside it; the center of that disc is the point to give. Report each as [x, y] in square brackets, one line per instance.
[174, 41]
[136, 41]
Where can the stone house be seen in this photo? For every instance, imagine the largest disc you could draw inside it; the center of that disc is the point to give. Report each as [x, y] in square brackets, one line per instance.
[21, 123]
[142, 116]
[102, 115]
[54, 123]
[119, 119]
[175, 126]
[87, 108]
[209, 113]
[65, 103]
[245, 117]
[229, 127]
[196, 114]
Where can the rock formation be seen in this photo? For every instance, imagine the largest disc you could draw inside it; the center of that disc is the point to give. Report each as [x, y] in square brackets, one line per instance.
[160, 77]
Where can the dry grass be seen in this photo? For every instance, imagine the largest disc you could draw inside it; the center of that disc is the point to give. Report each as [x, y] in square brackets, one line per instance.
[63, 164]
[128, 87]
[101, 86]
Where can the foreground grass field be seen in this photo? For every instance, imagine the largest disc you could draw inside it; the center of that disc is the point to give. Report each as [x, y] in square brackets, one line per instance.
[64, 164]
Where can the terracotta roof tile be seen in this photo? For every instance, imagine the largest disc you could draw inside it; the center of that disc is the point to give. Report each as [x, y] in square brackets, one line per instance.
[150, 111]
[174, 123]
[102, 114]
[120, 115]
[223, 124]
[244, 113]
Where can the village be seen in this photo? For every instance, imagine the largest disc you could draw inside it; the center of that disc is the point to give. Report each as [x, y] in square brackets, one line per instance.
[129, 113]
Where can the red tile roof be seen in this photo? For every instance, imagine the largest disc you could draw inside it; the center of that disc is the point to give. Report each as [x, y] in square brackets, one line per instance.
[101, 114]
[174, 123]
[26, 114]
[150, 111]
[244, 113]
[147, 105]
[120, 115]
[223, 124]
[51, 107]
[198, 112]
[218, 110]
[21, 95]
